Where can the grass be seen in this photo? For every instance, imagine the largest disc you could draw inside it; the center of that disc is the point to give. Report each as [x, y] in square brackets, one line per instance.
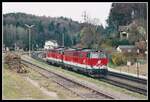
[15, 87]
[83, 77]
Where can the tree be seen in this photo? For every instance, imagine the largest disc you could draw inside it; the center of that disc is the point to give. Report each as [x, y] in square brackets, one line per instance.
[124, 14]
[91, 33]
[87, 38]
[47, 28]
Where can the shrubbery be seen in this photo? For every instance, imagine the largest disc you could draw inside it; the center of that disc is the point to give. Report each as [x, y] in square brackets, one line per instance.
[118, 58]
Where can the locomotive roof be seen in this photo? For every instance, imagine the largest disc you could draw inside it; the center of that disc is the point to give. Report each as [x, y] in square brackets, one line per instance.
[70, 49]
[59, 48]
[91, 50]
[78, 49]
[87, 50]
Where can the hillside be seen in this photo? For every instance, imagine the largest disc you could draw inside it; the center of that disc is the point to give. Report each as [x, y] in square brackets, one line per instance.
[46, 28]
[132, 15]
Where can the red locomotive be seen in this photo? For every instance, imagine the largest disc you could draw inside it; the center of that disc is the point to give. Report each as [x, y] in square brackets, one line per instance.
[87, 61]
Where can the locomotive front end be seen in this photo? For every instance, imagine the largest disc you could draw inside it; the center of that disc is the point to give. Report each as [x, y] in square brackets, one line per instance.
[98, 62]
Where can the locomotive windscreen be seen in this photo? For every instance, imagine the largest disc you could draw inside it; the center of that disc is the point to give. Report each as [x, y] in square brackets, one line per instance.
[97, 55]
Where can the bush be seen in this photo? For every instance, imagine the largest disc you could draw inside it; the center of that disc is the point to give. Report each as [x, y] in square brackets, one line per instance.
[105, 46]
[131, 57]
[118, 58]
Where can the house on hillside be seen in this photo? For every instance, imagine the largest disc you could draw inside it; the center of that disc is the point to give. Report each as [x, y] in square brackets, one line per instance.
[123, 30]
[126, 48]
[50, 44]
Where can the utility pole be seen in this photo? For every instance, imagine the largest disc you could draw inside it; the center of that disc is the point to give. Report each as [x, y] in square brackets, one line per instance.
[29, 29]
[84, 15]
[63, 40]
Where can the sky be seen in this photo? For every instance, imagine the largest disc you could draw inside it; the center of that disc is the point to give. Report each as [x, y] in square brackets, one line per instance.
[73, 10]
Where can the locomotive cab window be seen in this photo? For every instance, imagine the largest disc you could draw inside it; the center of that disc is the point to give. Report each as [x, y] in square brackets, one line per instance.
[102, 55]
[94, 55]
[97, 55]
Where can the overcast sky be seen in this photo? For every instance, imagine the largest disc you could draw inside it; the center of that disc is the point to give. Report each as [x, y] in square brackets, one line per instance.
[53, 9]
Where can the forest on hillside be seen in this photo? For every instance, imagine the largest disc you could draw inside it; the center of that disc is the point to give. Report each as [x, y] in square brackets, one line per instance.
[77, 34]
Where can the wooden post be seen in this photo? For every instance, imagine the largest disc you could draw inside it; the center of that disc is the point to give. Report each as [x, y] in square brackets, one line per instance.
[128, 64]
[137, 69]
[137, 63]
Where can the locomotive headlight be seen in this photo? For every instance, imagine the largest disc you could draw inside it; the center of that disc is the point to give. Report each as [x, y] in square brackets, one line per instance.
[84, 61]
[99, 62]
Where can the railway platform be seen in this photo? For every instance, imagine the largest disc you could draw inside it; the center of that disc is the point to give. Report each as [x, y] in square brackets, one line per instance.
[129, 74]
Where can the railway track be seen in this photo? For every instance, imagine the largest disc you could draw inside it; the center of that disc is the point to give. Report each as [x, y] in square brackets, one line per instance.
[127, 82]
[75, 87]
[124, 81]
